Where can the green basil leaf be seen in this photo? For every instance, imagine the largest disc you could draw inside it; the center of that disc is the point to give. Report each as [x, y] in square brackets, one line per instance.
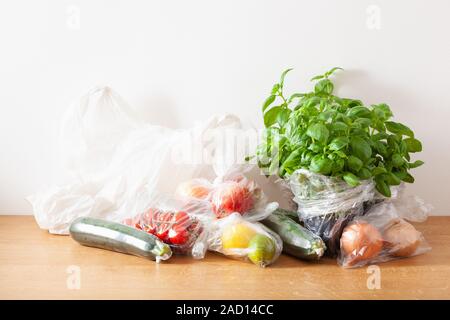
[268, 102]
[283, 116]
[338, 165]
[392, 179]
[311, 102]
[408, 178]
[283, 75]
[361, 148]
[270, 117]
[275, 88]
[330, 72]
[403, 148]
[397, 160]
[358, 112]
[338, 143]
[291, 161]
[381, 148]
[415, 164]
[306, 158]
[382, 111]
[362, 122]
[319, 132]
[338, 126]
[354, 164]
[401, 173]
[378, 170]
[321, 165]
[413, 145]
[315, 147]
[379, 136]
[382, 187]
[326, 115]
[341, 154]
[364, 173]
[399, 128]
[294, 96]
[350, 103]
[324, 86]
[318, 77]
[351, 179]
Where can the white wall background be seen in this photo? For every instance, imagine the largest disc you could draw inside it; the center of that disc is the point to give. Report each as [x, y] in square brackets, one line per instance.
[180, 61]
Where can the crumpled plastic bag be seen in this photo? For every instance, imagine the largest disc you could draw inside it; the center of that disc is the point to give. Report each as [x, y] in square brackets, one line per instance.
[228, 194]
[175, 223]
[237, 238]
[379, 235]
[120, 164]
[327, 204]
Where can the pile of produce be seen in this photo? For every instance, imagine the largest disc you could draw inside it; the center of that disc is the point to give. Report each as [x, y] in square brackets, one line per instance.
[339, 158]
[345, 165]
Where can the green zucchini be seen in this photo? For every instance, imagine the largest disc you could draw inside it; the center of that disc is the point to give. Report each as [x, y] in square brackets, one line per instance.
[297, 240]
[118, 237]
[291, 214]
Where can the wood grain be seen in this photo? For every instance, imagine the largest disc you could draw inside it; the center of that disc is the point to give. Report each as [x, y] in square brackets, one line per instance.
[34, 265]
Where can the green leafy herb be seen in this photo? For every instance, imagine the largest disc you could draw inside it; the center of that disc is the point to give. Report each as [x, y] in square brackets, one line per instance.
[335, 136]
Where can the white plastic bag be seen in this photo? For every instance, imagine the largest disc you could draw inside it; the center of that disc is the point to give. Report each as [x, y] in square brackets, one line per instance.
[120, 164]
[92, 129]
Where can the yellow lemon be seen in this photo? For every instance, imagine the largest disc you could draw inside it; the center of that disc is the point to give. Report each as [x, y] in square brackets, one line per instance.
[237, 236]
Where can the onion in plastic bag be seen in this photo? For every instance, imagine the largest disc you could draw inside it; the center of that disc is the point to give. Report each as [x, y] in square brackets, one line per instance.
[378, 236]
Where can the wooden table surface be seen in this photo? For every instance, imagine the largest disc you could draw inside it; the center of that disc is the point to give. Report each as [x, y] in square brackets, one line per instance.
[38, 265]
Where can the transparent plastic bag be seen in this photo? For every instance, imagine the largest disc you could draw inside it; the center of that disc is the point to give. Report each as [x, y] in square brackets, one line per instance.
[232, 193]
[240, 239]
[120, 164]
[92, 129]
[378, 236]
[174, 224]
[327, 204]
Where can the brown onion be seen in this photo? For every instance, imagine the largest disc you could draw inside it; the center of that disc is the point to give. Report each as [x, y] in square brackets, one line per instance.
[360, 241]
[401, 238]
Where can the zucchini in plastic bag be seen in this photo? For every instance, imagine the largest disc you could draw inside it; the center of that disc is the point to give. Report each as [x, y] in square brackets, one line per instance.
[118, 237]
[297, 240]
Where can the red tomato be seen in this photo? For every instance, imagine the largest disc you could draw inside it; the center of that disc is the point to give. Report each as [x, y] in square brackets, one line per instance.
[163, 221]
[178, 235]
[231, 197]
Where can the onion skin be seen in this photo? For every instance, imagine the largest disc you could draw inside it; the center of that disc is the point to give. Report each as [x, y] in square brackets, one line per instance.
[360, 241]
[401, 238]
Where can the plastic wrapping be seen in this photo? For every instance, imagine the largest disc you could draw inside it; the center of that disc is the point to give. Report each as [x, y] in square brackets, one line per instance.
[378, 236]
[174, 224]
[120, 164]
[232, 193]
[327, 204]
[240, 239]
